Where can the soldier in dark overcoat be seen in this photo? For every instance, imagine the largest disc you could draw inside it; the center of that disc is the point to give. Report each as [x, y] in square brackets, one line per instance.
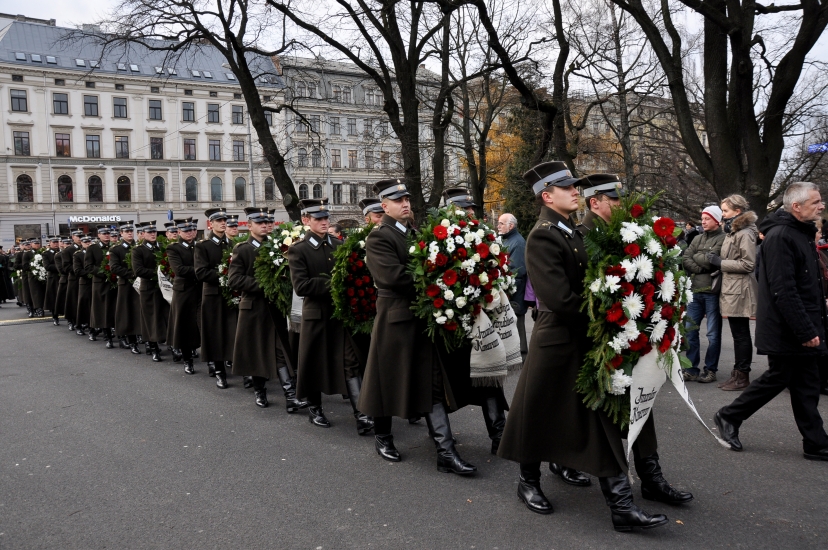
[60, 298]
[261, 330]
[548, 420]
[128, 304]
[67, 260]
[95, 254]
[328, 361]
[37, 288]
[182, 329]
[404, 376]
[218, 319]
[155, 310]
[83, 275]
[52, 275]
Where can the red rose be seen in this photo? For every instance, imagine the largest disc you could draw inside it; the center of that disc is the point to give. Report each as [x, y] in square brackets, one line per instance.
[664, 227]
[370, 291]
[670, 241]
[350, 292]
[489, 298]
[451, 326]
[354, 255]
[615, 313]
[358, 282]
[632, 249]
[483, 250]
[616, 270]
[473, 222]
[493, 274]
[462, 223]
[616, 361]
[474, 280]
[488, 286]
[456, 232]
[440, 232]
[353, 301]
[502, 258]
[106, 267]
[360, 293]
[636, 211]
[438, 303]
[433, 290]
[659, 277]
[462, 252]
[639, 343]
[490, 237]
[626, 288]
[366, 279]
[476, 309]
[450, 277]
[360, 263]
[441, 259]
[667, 340]
[422, 245]
[667, 312]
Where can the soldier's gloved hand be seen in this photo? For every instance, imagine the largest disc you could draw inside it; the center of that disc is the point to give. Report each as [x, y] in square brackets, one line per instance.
[714, 259]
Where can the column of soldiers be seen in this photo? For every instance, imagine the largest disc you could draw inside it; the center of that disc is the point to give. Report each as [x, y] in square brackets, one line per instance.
[398, 371]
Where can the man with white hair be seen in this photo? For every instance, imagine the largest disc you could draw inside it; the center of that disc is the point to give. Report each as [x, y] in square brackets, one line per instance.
[516, 246]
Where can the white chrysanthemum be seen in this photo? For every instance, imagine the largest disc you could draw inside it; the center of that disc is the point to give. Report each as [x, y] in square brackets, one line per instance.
[476, 293]
[410, 250]
[630, 232]
[631, 331]
[677, 340]
[469, 237]
[620, 342]
[461, 301]
[460, 212]
[458, 239]
[667, 289]
[611, 283]
[445, 223]
[653, 248]
[494, 249]
[441, 320]
[468, 291]
[615, 345]
[656, 316]
[272, 253]
[689, 294]
[450, 246]
[620, 382]
[629, 267]
[484, 278]
[38, 257]
[644, 268]
[362, 244]
[633, 305]
[448, 295]
[658, 330]
[450, 313]
[595, 286]
[437, 313]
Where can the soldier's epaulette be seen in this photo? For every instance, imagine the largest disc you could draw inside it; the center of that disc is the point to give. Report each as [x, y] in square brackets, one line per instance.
[237, 245]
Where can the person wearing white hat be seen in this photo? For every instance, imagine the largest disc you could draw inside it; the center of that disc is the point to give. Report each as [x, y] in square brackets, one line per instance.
[705, 277]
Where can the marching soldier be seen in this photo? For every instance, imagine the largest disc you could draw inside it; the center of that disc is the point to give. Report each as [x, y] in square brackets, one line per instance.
[23, 279]
[232, 226]
[549, 421]
[404, 376]
[155, 310]
[37, 288]
[218, 320]
[182, 329]
[52, 276]
[328, 361]
[128, 304]
[63, 282]
[261, 331]
[100, 286]
[83, 276]
[371, 210]
[171, 231]
[67, 257]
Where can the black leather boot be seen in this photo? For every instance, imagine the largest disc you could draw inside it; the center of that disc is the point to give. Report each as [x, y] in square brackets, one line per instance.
[71, 326]
[221, 376]
[40, 312]
[247, 381]
[495, 419]
[133, 346]
[386, 449]
[625, 514]
[81, 330]
[570, 475]
[448, 460]
[108, 337]
[261, 398]
[317, 416]
[177, 355]
[93, 335]
[188, 366]
[139, 338]
[211, 369]
[148, 348]
[292, 404]
[364, 423]
[653, 484]
[55, 320]
[122, 342]
[529, 489]
[156, 352]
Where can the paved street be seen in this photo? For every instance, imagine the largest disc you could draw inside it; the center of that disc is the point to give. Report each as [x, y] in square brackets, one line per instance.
[105, 449]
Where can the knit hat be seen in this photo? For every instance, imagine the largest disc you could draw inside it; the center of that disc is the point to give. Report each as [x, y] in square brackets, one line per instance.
[714, 212]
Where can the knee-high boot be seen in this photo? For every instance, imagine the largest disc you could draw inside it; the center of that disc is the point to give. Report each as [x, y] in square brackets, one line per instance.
[625, 514]
[364, 423]
[448, 460]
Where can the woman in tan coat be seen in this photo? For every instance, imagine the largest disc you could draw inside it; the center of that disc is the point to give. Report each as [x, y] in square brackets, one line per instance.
[737, 300]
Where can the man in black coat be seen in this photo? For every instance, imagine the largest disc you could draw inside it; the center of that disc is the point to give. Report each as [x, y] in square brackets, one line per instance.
[83, 275]
[95, 255]
[791, 321]
[52, 276]
[70, 307]
[183, 331]
[63, 280]
[154, 308]
[128, 305]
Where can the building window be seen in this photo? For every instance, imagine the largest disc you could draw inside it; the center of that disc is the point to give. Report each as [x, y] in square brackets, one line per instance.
[93, 147]
[62, 145]
[212, 112]
[337, 93]
[95, 189]
[90, 84]
[212, 94]
[60, 104]
[158, 189]
[121, 147]
[315, 123]
[311, 89]
[316, 158]
[90, 105]
[353, 193]
[369, 159]
[238, 114]
[119, 107]
[189, 92]
[369, 190]
[317, 191]
[334, 125]
[191, 189]
[385, 157]
[124, 189]
[214, 146]
[346, 94]
[352, 127]
[383, 128]
[240, 185]
[188, 113]
[189, 149]
[215, 189]
[119, 87]
[368, 126]
[352, 159]
[17, 78]
[302, 158]
[25, 188]
[336, 158]
[269, 118]
[21, 144]
[18, 101]
[65, 189]
[155, 109]
[270, 189]
[60, 81]
[156, 148]
[238, 150]
[154, 89]
[369, 96]
[303, 191]
[236, 95]
[300, 89]
[337, 193]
